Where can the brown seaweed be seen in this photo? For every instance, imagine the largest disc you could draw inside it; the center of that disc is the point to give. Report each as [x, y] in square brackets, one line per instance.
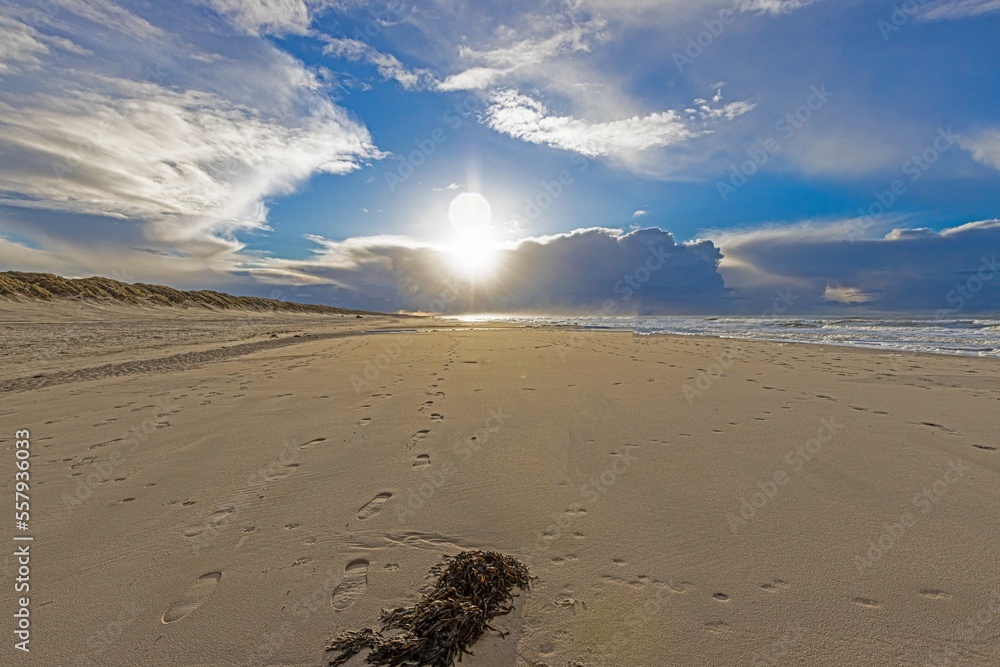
[469, 590]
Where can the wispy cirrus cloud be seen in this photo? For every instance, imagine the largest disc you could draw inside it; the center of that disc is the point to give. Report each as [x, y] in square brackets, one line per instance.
[24, 47]
[160, 139]
[388, 66]
[772, 6]
[682, 10]
[107, 14]
[494, 65]
[951, 10]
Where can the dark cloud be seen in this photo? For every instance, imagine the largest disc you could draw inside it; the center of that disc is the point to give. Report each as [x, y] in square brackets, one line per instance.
[907, 270]
[590, 270]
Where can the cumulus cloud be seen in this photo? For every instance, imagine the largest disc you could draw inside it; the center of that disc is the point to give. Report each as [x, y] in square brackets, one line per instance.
[950, 10]
[161, 137]
[643, 271]
[906, 270]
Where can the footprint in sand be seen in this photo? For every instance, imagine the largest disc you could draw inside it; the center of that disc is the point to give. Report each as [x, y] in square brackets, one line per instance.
[314, 441]
[374, 506]
[775, 586]
[935, 594]
[283, 472]
[352, 586]
[193, 599]
[945, 429]
[867, 603]
[418, 436]
[422, 460]
[214, 520]
[717, 627]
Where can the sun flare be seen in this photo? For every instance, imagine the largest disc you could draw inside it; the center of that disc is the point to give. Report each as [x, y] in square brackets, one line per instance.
[473, 252]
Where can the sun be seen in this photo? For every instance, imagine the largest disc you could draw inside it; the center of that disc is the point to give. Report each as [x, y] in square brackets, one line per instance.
[472, 252]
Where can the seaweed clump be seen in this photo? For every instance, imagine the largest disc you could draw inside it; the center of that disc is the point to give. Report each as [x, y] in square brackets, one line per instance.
[469, 590]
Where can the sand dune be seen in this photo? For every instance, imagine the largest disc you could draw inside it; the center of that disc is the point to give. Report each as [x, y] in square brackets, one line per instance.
[48, 287]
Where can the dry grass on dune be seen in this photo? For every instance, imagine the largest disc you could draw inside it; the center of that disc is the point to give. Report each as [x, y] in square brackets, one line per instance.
[48, 287]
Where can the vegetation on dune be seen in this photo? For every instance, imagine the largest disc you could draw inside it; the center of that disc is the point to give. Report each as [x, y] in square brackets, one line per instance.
[469, 590]
[49, 287]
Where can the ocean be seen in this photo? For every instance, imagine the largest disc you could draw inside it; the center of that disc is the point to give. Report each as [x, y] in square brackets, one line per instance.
[961, 336]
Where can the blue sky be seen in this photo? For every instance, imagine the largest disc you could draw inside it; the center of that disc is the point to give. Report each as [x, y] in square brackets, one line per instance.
[311, 150]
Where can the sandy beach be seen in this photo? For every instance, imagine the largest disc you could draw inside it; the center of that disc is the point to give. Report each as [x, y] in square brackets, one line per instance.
[242, 494]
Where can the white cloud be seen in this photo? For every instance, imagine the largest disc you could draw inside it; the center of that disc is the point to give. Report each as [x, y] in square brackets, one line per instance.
[23, 47]
[772, 6]
[524, 118]
[474, 78]
[183, 155]
[849, 295]
[640, 214]
[949, 10]
[984, 146]
[111, 15]
[139, 150]
[494, 65]
[685, 10]
[272, 17]
[551, 61]
[387, 65]
[535, 51]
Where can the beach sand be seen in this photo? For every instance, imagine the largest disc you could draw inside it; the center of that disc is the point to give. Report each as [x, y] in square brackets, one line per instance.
[231, 497]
